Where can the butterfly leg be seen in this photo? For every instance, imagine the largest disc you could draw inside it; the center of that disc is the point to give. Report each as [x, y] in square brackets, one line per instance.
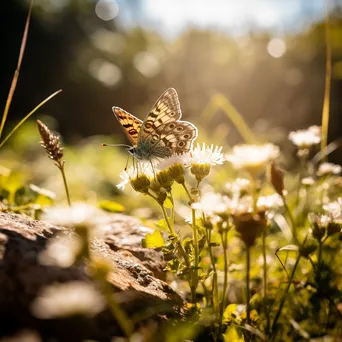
[127, 163]
[154, 173]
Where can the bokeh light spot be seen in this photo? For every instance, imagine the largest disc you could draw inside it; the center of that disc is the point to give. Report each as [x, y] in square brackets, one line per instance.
[106, 9]
[276, 47]
[147, 64]
[105, 72]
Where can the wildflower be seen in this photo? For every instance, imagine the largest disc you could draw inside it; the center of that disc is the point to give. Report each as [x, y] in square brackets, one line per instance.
[308, 181]
[68, 299]
[269, 202]
[276, 178]
[203, 158]
[334, 209]
[326, 169]
[306, 138]
[239, 186]
[212, 203]
[253, 158]
[165, 179]
[250, 226]
[61, 251]
[78, 214]
[139, 177]
[322, 225]
[175, 165]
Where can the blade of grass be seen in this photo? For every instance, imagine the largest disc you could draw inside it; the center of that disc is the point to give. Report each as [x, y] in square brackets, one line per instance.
[28, 115]
[326, 103]
[16, 73]
[219, 101]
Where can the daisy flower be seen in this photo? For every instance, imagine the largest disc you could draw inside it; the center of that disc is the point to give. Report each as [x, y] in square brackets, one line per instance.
[139, 177]
[212, 203]
[329, 169]
[305, 138]
[202, 158]
[68, 299]
[175, 166]
[252, 158]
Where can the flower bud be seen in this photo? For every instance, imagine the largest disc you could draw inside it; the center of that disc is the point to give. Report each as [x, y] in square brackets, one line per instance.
[276, 178]
[177, 173]
[141, 183]
[250, 226]
[200, 171]
[334, 227]
[165, 180]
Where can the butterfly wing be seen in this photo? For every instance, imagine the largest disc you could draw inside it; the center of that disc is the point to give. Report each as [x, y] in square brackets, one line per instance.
[165, 110]
[130, 124]
[162, 134]
[177, 136]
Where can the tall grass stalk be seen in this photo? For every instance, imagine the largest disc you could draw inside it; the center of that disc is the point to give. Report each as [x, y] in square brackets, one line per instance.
[17, 70]
[326, 103]
[219, 101]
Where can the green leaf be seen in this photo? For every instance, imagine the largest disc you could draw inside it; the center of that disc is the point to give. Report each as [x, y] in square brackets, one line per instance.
[229, 312]
[111, 206]
[233, 334]
[162, 225]
[24, 195]
[288, 248]
[153, 240]
[168, 203]
[173, 265]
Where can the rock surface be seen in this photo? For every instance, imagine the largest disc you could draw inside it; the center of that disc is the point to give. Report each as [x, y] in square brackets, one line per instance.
[134, 285]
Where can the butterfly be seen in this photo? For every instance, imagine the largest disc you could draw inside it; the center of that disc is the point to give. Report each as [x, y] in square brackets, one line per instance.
[161, 134]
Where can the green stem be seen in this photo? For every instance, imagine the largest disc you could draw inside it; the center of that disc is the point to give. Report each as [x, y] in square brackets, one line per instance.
[196, 248]
[172, 232]
[319, 258]
[224, 240]
[284, 297]
[60, 165]
[187, 192]
[292, 219]
[196, 259]
[248, 294]
[123, 320]
[265, 282]
[214, 286]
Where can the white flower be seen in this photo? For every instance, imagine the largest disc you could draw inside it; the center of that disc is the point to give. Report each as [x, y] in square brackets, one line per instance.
[212, 203]
[270, 202]
[334, 208]
[210, 155]
[131, 173]
[182, 159]
[68, 299]
[238, 186]
[252, 158]
[61, 251]
[329, 169]
[77, 214]
[306, 138]
[125, 180]
[308, 181]
[244, 204]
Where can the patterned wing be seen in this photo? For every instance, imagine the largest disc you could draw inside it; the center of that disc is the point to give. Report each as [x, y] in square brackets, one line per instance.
[130, 124]
[165, 110]
[178, 136]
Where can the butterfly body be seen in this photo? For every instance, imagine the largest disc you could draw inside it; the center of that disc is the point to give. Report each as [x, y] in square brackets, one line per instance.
[162, 133]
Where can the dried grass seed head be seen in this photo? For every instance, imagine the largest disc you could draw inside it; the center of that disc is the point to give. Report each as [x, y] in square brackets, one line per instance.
[50, 142]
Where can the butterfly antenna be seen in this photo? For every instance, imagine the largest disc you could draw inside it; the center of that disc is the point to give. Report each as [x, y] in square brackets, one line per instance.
[117, 145]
